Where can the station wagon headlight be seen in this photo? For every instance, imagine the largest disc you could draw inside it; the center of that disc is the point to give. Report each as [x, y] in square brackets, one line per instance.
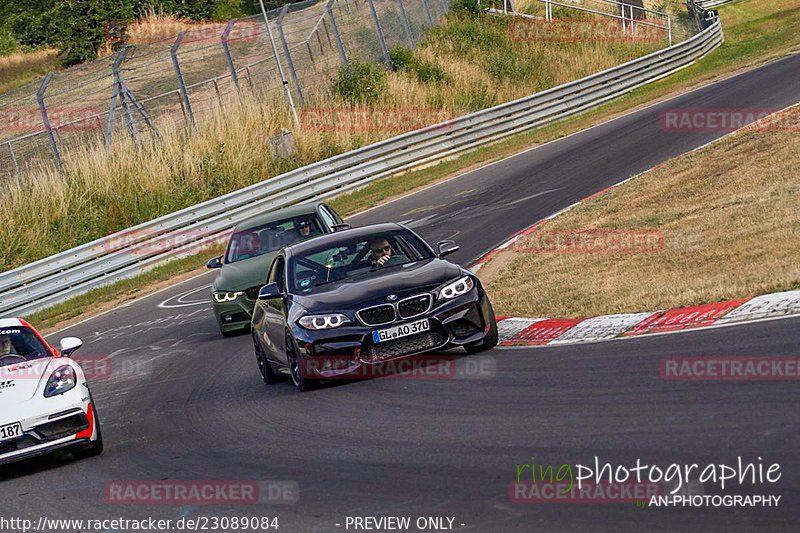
[222, 297]
[316, 322]
[457, 288]
[62, 380]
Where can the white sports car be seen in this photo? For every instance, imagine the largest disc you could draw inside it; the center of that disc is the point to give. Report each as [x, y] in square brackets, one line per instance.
[45, 403]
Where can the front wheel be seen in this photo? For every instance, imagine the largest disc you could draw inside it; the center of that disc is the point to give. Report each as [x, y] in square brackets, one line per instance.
[491, 338]
[267, 373]
[295, 367]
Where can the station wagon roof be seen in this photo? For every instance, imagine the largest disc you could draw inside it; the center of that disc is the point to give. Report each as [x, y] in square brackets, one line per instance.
[279, 214]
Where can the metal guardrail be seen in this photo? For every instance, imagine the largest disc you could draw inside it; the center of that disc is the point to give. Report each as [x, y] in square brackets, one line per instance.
[57, 278]
[710, 4]
[702, 17]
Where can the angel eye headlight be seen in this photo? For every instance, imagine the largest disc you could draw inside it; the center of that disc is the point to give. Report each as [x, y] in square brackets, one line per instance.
[222, 297]
[316, 322]
[62, 380]
[457, 288]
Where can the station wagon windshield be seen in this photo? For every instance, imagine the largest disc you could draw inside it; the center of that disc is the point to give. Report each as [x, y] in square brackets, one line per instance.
[271, 237]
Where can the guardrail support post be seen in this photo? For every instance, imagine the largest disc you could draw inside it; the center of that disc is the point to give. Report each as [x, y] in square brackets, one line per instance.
[380, 35]
[669, 29]
[406, 24]
[338, 37]
[184, 94]
[228, 57]
[280, 67]
[46, 120]
[13, 158]
[287, 53]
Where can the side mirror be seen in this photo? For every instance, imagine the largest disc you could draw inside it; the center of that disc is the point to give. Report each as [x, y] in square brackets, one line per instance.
[446, 247]
[341, 226]
[269, 291]
[215, 263]
[68, 345]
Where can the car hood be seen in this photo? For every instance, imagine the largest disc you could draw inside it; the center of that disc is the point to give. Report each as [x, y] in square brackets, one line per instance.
[22, 381]
[362, 292]
[244, 274]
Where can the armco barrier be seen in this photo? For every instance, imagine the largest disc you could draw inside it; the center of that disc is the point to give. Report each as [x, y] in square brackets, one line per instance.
[711, 4]
[64, 275]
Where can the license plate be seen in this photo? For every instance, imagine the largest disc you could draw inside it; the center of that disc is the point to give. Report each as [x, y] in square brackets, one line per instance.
[11, 431]
[403, 330]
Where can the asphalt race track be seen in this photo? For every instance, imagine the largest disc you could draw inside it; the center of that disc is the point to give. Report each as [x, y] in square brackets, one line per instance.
[184, 403]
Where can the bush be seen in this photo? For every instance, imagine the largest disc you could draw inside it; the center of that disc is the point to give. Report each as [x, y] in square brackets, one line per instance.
[466, 6]
[362, 83]
[8, 43]
[426, 71]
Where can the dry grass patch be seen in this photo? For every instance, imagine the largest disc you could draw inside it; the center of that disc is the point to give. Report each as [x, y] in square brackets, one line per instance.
[730, 219]
[24, 67]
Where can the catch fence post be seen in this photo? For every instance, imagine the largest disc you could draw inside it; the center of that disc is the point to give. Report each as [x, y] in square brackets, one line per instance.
[184, 94]
[46, 120]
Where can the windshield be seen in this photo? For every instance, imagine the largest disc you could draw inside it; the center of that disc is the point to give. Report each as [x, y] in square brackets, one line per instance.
[355, 259]
[271, 237]
[20, 344]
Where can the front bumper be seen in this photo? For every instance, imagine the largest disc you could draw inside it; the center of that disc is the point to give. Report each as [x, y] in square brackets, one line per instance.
[63, 427]
[235, 315]
[339, 352]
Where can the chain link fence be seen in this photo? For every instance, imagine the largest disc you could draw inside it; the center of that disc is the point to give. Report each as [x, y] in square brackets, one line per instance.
[176, 74]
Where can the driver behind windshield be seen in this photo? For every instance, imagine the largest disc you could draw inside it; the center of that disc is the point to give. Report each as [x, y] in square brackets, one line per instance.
[381, 252]
[306, 229]
[5, 345]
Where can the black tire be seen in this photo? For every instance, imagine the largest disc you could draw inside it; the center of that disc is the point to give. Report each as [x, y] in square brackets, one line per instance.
[295, 368]
[264, 368]
[491, 338]
[94, 448]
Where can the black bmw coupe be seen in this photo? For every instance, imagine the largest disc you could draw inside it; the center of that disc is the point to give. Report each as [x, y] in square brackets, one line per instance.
[337, 303]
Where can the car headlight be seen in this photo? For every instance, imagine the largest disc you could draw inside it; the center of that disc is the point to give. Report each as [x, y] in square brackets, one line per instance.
[62, 380]
[222, 297]
[457, 288]
[323, 321]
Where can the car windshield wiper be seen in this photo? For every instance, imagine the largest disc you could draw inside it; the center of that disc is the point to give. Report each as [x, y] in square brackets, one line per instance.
[327, 282]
